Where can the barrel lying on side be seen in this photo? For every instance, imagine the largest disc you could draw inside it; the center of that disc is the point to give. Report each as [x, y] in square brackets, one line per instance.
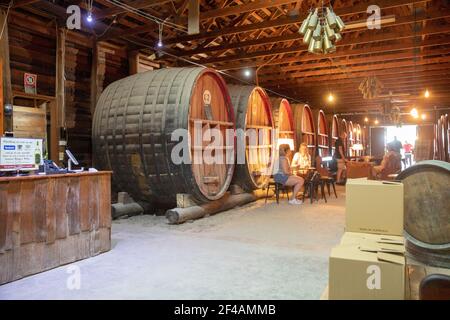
[427, 211]
[132, 134]
[252, 109]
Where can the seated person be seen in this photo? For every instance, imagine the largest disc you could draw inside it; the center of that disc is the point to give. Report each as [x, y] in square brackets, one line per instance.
[302, 159]
[391, 164]
[283, 174]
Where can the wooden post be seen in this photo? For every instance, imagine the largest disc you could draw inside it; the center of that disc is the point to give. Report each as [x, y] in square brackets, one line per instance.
[133, 61]
[60, 78]
[97, 75]
[194, 17]
[6, 95]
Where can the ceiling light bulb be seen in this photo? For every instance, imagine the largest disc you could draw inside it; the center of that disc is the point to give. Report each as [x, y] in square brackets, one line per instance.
[366, 119]
[427, 94]
[89, 17]
[330, 98]
[247, 73]
[414, 113]
[159, 44]
[423, 116]
[376, 121]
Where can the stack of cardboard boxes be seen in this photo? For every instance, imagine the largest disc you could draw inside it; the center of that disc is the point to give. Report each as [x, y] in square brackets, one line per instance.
[369, 263]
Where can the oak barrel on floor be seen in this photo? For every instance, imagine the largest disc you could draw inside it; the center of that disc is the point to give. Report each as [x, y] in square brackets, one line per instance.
[253, 112]
[427, 211]
[132, 134]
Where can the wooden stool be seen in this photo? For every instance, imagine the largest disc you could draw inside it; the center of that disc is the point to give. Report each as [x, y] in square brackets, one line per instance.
[277, 187]
[330, 182]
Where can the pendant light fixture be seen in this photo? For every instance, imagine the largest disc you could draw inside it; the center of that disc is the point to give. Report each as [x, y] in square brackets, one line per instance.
[321, 30]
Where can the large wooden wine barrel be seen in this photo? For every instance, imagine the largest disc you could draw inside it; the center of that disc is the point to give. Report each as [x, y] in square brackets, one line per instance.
[305, 127]
[322, 133]
[253, 113]
[344, 128]
[283, 118]
[132, 134]
[427, 211]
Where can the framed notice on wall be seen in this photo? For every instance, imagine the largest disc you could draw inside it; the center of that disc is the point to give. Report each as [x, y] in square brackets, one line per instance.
[30, 83]
[20, 154]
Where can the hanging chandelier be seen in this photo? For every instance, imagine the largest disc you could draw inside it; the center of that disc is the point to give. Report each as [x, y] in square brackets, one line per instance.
[321, 29]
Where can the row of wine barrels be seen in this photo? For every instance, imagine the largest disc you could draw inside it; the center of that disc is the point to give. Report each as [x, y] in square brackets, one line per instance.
[252, 108]
[305, 127]
[135, 134]
[132, 133]
[427, 211]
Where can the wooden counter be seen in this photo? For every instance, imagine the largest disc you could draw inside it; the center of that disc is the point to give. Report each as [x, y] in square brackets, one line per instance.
[51, 220]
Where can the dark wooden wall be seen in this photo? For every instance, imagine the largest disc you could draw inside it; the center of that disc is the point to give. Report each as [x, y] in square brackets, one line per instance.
[33, 49]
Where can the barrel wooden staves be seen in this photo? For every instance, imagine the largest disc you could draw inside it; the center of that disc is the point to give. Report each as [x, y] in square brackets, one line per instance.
[333, 125]
[358, 139]
[253, 111]
[445, 132]
[427, 211]
[439, 140]
[350, 139]
[132, 134]
[305, 127]
[284, 120]
[322, 133]
[343, 127]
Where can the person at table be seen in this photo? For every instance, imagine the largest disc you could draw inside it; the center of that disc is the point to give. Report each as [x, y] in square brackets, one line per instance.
[391, 164]
[396, 145]
[339, 156]
[408, 148]
[302, 159]
[283, 174]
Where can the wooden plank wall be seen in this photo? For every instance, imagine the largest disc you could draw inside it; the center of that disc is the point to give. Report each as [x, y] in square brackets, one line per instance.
[33, 49]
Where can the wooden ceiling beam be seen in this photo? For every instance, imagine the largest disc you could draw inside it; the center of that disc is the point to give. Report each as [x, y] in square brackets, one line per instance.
[425, 69]
[348, 71]
[392, 36]
[428, 16]
[242, 8]
[363, 60]
[403, 45]
[344, 11]
[137, 4]
[23, 3]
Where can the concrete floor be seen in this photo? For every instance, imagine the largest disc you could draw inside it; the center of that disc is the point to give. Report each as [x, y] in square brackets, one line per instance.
[252, 252]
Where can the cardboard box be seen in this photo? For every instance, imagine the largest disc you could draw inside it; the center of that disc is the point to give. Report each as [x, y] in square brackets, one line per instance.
[374, 207]
[356, 238]
[367, 267]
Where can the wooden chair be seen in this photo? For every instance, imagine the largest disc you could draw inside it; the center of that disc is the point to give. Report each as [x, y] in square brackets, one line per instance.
[312, 188]
[327, 178]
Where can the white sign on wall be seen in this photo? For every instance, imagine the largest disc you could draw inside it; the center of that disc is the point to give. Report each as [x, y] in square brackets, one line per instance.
[20, 154]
